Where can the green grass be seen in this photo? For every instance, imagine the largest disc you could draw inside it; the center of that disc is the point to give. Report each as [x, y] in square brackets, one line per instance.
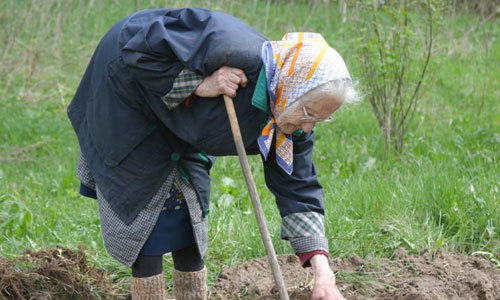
[442, 192]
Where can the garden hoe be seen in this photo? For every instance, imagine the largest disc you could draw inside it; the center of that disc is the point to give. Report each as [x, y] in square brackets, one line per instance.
[259, 214]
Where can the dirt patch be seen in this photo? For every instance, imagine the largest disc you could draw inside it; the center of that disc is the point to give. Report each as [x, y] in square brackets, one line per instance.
[437, 275]
[57, 273]
[61, 273]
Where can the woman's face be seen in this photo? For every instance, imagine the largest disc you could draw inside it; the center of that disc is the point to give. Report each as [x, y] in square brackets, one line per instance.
[315, 111]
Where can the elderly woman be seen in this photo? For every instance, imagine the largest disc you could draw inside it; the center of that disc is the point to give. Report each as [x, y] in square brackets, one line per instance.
[149, 119]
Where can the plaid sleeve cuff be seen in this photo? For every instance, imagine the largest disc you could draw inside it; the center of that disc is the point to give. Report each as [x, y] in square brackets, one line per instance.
[305, 231]
[184, 85]
[302, 224]
[309, 244]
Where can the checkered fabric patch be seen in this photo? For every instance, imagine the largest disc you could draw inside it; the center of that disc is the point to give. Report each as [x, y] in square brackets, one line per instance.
[309, 244]
[198, 221]
[83, 173]
[184, 85]
[124, 242]
[302, 224]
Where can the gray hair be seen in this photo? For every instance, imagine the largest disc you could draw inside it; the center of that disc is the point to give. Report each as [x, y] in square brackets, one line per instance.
[341, 90]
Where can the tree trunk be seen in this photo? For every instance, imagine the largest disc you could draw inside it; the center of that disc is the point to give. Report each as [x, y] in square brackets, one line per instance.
[343, 10]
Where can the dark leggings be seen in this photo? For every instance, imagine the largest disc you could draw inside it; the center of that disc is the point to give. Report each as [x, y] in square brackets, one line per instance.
[186, 260]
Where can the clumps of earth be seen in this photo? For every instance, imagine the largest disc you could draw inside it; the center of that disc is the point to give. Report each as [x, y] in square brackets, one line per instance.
[57, 273]
[61, 273]
[436, 275]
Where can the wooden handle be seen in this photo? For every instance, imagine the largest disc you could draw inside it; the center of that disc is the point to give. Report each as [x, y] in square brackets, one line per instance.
[259, 214]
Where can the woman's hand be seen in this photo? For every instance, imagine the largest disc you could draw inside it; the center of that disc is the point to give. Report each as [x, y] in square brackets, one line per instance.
[324, 280]
[223, 81]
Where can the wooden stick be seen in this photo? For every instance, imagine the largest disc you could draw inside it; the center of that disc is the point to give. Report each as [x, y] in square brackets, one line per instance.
[259, 214]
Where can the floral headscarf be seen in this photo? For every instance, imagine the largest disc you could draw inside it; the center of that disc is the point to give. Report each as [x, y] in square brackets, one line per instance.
[298, 63]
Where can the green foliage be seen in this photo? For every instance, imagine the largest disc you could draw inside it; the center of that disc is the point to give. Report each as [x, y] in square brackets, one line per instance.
[442, 192]
[484, 8]
[395, 51]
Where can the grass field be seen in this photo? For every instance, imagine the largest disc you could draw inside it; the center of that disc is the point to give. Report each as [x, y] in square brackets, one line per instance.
[443, 191]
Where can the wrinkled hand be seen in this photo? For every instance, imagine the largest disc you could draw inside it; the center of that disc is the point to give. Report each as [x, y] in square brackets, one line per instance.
[325, 288]
[223, 81]
[324, 280]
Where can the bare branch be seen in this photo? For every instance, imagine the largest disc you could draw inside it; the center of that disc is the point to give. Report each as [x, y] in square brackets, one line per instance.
[424, 69]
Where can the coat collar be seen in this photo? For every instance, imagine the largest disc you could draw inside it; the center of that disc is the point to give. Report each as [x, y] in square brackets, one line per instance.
[259, 98]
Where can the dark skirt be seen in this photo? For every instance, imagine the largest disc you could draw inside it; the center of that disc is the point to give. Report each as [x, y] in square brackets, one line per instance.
[173, 230]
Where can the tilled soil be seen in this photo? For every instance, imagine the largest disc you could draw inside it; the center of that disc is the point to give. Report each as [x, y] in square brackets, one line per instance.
[437, 275]
[61, 273]
[57, 273]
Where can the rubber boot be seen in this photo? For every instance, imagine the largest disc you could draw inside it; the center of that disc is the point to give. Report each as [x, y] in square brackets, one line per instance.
[149, 288]
[190, 285]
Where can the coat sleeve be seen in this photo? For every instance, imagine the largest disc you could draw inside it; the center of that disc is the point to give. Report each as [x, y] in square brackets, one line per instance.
[158, 52]
[159, 47]
[299, 197]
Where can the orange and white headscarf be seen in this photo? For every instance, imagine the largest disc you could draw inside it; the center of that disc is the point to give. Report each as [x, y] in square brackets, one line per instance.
[298, 63]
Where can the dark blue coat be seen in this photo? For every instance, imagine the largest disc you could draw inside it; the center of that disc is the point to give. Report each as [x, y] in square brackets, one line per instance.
[130, 139]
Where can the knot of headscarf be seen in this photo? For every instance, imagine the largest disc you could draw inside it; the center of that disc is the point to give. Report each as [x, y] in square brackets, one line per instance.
[298, 63]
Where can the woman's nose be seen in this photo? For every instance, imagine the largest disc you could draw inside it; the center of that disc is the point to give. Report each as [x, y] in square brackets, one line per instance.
[307, 126]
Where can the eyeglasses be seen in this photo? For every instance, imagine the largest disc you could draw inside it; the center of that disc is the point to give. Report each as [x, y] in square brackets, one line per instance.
[310, 118]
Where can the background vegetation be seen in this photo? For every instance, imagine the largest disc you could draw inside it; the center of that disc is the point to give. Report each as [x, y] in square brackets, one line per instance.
[442, 192]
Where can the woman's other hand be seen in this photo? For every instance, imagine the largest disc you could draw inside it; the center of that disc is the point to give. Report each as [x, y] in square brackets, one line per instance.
[324, 280]
[223, 81]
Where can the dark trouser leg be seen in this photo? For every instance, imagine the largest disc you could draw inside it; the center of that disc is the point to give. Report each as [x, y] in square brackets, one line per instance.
[189, 275]
[147, 266]
[188, 259]
[148, 282]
